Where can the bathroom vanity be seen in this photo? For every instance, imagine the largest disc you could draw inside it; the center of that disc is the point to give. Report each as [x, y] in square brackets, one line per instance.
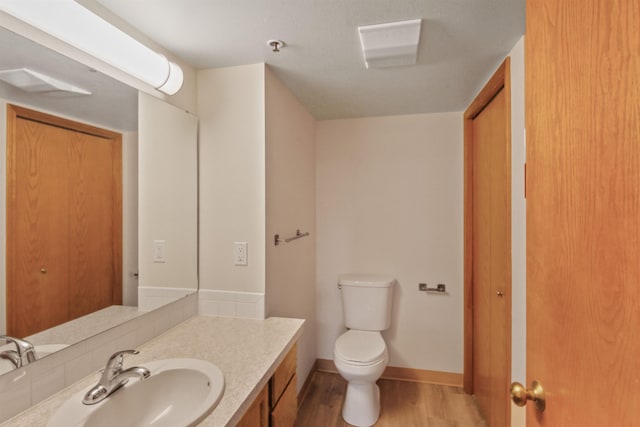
[277, 403]
[257, 358]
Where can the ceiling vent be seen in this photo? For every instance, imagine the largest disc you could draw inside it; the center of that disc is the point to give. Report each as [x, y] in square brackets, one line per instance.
[390, 45]
[32, 81]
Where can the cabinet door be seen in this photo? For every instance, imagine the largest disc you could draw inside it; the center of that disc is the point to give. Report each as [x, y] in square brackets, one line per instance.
[258, 413]
[281, 378]
[285, 412]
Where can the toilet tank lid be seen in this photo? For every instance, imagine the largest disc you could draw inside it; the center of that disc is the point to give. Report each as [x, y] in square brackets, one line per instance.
[369, 280]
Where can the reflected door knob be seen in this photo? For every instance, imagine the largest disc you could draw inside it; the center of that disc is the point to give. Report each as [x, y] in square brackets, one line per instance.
[520, 395]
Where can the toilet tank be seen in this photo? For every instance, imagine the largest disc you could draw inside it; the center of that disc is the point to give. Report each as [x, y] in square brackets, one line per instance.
[366, 301]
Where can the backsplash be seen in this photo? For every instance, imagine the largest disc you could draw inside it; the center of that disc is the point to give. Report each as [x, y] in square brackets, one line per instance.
[231, 304]
[150, 298]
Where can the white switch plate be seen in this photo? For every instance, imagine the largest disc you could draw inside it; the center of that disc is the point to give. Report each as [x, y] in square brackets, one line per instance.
[240, 254]
[159, 251]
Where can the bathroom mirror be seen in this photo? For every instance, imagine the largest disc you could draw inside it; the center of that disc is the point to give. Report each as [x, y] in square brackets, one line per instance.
[113, 105]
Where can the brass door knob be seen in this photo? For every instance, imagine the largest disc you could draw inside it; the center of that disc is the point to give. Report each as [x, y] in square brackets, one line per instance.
[43, 270]
[520, 395]
[500, 294]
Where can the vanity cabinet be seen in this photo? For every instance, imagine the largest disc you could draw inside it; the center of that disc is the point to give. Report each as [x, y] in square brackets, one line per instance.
[258, 413]
[283, 400]
[277, 403]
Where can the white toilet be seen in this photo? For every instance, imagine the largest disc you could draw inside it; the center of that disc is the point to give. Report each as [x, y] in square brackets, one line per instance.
[360, 354]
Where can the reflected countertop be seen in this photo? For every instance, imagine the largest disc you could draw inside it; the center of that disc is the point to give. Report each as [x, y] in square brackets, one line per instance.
[86, 326]
[247, 351]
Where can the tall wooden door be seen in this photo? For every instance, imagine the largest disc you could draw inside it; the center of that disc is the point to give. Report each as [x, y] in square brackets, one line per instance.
[63, 221]
[491, 253]
[582, 63]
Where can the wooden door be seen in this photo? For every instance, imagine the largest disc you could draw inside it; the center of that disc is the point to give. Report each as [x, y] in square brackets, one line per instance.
[38, 274]
[488, 140]
[63, 220]
[94, 212]
[583, 210]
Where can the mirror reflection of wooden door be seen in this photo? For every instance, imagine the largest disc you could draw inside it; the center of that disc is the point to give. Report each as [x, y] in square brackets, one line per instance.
[64, 220]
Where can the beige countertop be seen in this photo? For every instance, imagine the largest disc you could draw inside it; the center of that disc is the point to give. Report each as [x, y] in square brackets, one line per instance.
[84, 327]
[246, 351]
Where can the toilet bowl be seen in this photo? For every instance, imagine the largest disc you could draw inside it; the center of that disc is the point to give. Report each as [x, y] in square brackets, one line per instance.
[361, 357]
[360, 354]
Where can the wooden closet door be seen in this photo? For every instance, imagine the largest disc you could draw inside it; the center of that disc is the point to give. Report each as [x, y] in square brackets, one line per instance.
[92, 258]
[38, 287]
[64, 220]
[491, 246]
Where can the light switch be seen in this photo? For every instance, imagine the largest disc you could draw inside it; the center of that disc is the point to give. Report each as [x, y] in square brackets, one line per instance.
[159, 251]
[240, 255]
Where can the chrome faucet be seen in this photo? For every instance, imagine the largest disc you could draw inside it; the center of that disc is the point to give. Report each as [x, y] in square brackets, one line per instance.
[24, 349]
[113, 377]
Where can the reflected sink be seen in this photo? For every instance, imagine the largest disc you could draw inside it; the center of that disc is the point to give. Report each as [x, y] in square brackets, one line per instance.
[179, 392]
[41, 351]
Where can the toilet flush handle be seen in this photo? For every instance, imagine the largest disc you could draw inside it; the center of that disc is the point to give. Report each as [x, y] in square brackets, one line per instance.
[339, 286]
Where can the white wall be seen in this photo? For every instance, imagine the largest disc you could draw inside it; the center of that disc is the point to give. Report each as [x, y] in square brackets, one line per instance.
[518, 229]
[290, 184]
[129, 218]
[167, 200]
[389, 200]
[231, 108]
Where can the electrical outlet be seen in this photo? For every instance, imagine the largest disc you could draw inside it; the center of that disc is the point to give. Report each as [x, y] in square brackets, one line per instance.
[240, 253]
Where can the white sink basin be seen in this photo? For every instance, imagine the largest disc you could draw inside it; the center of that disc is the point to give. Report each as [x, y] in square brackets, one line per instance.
[41, 351]
[179, 392]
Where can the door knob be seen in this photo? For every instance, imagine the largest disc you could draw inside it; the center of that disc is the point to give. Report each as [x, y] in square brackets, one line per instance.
[43, 270]
[500, 294]
[520, 394]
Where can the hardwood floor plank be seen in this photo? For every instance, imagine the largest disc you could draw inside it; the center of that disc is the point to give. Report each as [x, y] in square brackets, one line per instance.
[403, 403]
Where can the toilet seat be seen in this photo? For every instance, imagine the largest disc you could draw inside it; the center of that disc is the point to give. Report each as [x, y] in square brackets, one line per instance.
[360, 348]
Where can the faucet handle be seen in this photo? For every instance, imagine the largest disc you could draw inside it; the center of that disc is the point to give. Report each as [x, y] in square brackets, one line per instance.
[23, 347]
[121, 353]
[114, 363]
[12, 356]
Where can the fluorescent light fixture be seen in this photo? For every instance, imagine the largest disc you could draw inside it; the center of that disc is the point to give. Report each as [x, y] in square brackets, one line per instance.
[81, 28]
[32, 81]
[390, 45]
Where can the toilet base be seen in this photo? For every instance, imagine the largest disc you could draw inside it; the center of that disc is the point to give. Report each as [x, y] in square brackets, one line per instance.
[361, 404]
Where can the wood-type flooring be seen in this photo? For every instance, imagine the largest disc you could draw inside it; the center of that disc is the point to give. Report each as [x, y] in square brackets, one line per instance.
[403, 404]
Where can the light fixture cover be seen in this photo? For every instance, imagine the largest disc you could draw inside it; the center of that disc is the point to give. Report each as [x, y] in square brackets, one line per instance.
[33, 81]
[390, 45]
[81, 28]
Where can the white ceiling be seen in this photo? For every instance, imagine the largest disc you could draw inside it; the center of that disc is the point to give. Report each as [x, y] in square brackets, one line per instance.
[462, 42]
